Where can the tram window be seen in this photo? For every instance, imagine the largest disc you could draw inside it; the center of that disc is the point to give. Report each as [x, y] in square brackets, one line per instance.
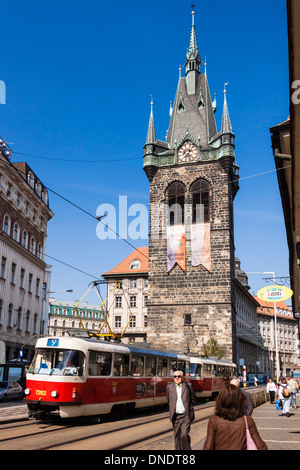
[196, 370]
[181, 366]
[207, 370]
[162, 367]
[100, 363]
[150, 370]
[121, 365]
[172, 366]
[74, 365]
[137, 366]
[57, 362]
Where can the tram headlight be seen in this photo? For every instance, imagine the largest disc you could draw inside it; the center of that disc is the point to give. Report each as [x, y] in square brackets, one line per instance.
[74, 393]
[27, 391]
[54, 394]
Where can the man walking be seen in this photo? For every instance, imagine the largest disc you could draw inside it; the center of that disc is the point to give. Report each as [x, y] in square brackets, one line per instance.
[181, 398]
[294, 389]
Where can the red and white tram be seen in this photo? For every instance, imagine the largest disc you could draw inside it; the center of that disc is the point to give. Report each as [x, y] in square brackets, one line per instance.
[84, 376]
[73, 376]
[207, 375]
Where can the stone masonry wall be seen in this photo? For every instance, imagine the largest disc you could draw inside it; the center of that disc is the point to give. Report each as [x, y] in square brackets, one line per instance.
[206, 296]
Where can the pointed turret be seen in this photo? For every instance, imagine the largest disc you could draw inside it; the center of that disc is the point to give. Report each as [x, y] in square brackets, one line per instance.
[150, 139]
[226, 124]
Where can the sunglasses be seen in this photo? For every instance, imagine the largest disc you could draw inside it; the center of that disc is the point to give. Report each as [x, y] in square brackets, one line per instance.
[177, 376]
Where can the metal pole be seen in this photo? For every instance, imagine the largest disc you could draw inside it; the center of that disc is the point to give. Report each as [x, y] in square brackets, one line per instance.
[276, 342]
[275, 325]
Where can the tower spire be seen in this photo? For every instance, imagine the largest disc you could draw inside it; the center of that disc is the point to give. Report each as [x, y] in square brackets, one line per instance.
[151, 131]
[226, 124]
[193, 60]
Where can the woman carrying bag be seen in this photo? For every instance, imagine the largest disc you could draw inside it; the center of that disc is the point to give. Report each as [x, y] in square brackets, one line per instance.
[227, 428]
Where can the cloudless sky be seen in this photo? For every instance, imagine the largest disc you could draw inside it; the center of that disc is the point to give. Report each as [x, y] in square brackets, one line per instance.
[79, 75]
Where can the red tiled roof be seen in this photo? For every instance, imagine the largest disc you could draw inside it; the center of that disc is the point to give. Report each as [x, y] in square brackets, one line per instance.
[284, 122]
[267, 308]
[140, 254]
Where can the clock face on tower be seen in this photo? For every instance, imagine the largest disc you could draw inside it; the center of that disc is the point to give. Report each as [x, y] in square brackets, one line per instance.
[187, 153]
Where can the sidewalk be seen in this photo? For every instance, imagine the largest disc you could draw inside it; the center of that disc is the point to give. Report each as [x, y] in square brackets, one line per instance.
[278, 432]
[10, 413]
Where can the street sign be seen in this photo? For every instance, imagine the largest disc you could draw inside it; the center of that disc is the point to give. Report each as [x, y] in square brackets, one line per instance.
[274, 293]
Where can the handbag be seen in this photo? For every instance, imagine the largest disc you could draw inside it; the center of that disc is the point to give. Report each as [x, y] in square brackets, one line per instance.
[250, 442]
[278, 404]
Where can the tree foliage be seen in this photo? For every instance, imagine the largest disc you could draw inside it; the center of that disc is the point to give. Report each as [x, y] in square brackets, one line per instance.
[211, 348]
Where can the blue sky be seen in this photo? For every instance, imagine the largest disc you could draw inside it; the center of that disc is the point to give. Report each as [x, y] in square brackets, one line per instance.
[79, 75]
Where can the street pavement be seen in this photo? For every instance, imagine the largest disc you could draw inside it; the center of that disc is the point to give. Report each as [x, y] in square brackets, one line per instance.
[278, 432]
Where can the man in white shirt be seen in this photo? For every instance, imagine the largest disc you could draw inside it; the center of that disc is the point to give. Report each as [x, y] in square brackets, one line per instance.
[181, 397]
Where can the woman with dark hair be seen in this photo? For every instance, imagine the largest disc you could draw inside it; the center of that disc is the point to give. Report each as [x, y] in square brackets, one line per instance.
[226, 429]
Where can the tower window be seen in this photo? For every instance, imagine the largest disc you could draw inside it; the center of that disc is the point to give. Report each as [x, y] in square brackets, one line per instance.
[200, 201]
[175, 198]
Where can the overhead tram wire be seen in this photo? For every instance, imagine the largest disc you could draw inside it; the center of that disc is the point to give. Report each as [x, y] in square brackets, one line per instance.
[128, 159]
[72, 159]
[98, 218]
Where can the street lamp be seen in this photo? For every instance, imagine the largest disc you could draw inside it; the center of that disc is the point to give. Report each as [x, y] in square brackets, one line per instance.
[275, 323]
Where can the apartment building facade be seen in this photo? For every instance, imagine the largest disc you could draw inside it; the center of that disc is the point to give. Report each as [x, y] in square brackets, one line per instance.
[24, 273]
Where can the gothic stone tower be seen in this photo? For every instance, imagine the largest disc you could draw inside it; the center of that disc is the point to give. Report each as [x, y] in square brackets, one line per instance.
[193, 181]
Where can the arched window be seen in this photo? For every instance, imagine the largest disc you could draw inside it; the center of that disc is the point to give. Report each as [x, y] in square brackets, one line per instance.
[32, 245]
[200, 190]
[175, 198]
[39, 251]
[25, 239]
[135, 264]
[16, 232]
[6, 224]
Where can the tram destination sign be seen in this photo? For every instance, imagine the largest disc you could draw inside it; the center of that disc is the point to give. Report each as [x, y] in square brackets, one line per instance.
[274, 293]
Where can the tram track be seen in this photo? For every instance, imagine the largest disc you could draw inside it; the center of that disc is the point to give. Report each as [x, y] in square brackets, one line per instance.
[136, 432]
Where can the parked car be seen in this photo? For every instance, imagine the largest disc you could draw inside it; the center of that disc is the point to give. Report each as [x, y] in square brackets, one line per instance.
[10, 390]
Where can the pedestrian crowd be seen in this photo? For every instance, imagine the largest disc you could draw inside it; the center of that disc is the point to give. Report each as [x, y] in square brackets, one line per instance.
[231, 427]
[283, 393]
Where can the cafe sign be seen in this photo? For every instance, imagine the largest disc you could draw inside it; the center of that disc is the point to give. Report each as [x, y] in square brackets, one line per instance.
[274, 293]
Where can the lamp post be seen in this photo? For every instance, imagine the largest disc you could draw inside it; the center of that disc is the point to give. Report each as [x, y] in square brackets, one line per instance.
[275, 325]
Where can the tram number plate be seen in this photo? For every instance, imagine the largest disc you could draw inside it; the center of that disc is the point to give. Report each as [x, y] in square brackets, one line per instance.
[41, 393]
[52, 342]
